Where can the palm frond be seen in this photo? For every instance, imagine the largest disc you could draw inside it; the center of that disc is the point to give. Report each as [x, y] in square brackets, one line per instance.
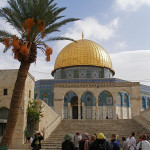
[58, 38]
[5, 34]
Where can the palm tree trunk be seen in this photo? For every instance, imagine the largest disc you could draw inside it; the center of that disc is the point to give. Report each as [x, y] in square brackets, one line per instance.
[15, 103]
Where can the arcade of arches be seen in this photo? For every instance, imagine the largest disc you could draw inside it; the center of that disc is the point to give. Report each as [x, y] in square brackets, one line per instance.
[86, 106]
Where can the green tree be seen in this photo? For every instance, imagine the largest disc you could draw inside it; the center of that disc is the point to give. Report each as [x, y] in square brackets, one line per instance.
[34, 113]
[34, 20]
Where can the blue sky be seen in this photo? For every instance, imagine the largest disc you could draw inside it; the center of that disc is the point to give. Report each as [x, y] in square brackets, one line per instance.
[122, 27]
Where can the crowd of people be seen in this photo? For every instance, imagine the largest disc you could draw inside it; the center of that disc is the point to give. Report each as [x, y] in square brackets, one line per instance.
[100, 142]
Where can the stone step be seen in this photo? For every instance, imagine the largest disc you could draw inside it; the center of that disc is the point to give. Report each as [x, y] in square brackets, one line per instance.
[119, 127]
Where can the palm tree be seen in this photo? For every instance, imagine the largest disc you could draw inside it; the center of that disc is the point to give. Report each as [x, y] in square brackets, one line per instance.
[34, 20]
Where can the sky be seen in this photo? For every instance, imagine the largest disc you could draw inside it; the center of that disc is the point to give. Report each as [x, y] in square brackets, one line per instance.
[121, 27]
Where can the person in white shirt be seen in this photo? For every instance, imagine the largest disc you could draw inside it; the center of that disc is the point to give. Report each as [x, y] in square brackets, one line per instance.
[77, 138]
[144, 144]
[132, 142]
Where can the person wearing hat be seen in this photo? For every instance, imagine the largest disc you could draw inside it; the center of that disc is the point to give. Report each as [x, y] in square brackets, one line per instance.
[100, 143]
[68, 144]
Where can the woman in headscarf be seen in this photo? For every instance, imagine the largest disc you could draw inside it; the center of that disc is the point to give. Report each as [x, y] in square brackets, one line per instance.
[84, 142]
[68, 144]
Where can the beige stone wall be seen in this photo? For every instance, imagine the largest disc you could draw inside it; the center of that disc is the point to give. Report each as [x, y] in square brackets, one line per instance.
[132, 88]
[7, 80]
[146, 114]
[143, 118]
[49, 121]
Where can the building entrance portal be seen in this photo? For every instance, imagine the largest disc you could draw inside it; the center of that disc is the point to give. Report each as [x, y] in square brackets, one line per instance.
[74, 105]
[74, 112]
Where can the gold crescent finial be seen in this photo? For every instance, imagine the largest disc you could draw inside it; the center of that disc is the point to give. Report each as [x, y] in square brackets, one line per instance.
[82, 35]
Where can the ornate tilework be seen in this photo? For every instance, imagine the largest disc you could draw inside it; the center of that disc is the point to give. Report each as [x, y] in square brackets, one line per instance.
[89, 99]
[95, 74]
[82, 74]
[105, 99]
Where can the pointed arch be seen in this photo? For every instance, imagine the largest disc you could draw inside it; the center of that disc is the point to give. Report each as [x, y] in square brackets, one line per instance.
[68, 96]
[105, 99]
[45, 98]
[126, 100]
[123, 99]
[88, 98]
[119, 99]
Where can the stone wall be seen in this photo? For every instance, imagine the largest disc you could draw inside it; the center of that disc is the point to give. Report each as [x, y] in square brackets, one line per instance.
[144, 118]
[7, 80]
[49, 121]
[146, 114]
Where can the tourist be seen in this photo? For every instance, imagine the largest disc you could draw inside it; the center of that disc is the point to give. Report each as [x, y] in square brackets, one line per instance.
[132, 142]
[36, 142]
[114, 142]
[84, 142]
[93, 138]
[140, 139]
[76, 140]
[100, 143]
[144, 144]
[40, 139]
[68, 144]
[124, 143]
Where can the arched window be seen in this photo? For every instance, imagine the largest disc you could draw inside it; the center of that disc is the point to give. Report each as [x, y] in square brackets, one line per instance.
[119, 99]
[68, 96]
[105, 99]
[4, 113]
[89, 99]
[45, 98]
[143, 103]
[126, 100]
[148, 102]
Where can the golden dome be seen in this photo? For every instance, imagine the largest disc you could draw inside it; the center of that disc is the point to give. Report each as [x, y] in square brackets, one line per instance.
[83, 53]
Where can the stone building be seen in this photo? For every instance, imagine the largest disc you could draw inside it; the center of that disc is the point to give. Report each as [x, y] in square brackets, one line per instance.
[84, 88]
[7, 82]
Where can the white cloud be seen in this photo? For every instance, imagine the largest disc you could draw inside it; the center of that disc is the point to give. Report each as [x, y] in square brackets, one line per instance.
[120, 45]
[3, 3]
[132, 65]
[92, 30]
[132, 5]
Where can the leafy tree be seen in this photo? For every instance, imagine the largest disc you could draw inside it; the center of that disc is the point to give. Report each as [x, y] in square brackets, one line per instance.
[34, 20]
[34, 113]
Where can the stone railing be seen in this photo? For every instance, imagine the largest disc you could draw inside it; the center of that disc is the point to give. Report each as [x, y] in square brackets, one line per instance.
[143, 118]
[49, 121]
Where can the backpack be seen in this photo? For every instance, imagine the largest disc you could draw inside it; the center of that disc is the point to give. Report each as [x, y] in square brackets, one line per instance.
[101, 146]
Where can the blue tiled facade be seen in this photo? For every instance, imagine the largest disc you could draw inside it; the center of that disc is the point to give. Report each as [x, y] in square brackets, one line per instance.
[145, 96]
[44, 89]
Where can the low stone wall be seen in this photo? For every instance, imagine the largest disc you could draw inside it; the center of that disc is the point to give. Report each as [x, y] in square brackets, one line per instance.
[144, 118]
[49, 121]
[146, 114]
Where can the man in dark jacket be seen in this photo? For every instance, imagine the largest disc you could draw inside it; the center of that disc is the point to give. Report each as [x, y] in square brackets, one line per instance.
[100, 143]
[68, 144]
[114, 142]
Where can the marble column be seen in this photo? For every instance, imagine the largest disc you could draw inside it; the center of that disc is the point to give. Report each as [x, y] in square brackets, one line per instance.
[97, 111]
[83, 111]
[69, 111]
[79, 110]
